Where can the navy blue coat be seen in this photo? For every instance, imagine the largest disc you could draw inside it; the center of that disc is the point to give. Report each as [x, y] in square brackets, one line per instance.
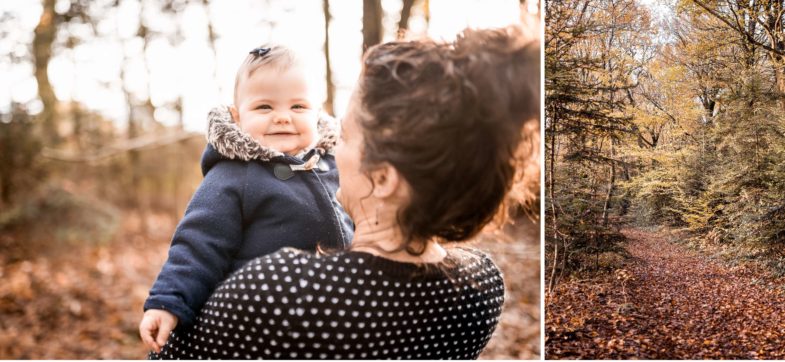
[252, 201]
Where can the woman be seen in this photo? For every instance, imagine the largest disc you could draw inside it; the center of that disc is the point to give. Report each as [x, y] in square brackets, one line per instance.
[425, 160]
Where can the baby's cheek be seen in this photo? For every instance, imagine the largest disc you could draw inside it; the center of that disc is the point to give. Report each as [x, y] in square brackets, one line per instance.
[313, 130]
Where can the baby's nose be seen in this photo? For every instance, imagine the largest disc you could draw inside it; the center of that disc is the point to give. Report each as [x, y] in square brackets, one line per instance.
[282, 118]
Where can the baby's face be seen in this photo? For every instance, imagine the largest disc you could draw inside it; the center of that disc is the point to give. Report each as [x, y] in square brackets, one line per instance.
[276, 108]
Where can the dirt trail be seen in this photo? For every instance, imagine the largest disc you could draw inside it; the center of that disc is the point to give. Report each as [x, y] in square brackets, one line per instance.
[668, 303]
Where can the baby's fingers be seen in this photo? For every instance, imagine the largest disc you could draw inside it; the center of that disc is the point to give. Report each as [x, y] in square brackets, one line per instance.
[146, 331]
[163, 334]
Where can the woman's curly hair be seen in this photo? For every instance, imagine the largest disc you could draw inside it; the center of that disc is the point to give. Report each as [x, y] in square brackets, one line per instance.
[449, 118]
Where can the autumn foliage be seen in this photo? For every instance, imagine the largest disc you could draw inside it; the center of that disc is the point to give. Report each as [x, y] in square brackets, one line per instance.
[666, 117]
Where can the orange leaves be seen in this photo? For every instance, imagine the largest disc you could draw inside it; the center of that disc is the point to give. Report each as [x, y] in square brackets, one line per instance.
[18, 283]
[679, 305]
[81, 303]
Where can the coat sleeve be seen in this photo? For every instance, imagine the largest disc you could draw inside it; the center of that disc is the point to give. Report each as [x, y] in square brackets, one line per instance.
[203, 245]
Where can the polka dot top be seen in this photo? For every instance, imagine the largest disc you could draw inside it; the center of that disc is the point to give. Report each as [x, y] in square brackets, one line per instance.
[349, 305]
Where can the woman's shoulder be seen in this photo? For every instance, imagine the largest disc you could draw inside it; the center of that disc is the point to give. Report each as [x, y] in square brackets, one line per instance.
[305, 269]
[460, 257]
[467, 256]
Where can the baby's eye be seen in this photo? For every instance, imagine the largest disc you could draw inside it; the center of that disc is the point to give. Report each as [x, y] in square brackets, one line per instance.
[299, 106]
[263, 106]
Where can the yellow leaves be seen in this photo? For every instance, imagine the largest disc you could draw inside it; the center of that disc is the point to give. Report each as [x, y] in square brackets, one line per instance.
[623, 275]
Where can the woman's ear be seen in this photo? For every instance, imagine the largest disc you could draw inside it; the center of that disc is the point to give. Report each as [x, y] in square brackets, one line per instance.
[387, 182]
[235, 115]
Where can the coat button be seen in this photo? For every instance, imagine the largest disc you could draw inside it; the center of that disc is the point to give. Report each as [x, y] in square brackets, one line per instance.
[283, 171]
[323, 166]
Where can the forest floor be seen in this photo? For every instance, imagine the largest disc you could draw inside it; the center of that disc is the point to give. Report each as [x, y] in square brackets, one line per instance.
[668, 302]
[85, 301]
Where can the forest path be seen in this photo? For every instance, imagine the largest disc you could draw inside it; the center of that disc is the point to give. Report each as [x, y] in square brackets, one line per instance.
[668, 302]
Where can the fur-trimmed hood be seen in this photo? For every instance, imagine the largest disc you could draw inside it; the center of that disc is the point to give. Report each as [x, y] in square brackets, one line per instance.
[232, 142]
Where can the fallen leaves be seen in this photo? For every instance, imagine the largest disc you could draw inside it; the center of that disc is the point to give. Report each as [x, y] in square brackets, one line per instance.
[86, 302]
[517, 254]
[667, 303]
[81, 302]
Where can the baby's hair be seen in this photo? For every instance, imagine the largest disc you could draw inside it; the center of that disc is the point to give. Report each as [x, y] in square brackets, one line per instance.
[275, 55]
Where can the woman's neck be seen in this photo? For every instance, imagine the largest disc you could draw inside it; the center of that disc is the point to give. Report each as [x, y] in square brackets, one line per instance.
[385, 239]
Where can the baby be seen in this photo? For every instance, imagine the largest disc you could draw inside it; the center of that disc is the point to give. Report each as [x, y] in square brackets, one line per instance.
[269, 182]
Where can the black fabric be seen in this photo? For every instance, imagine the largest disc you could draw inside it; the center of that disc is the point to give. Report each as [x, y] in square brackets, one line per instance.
[349, 305]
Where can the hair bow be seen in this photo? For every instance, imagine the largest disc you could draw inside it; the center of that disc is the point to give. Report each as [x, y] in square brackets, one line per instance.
[260, 52]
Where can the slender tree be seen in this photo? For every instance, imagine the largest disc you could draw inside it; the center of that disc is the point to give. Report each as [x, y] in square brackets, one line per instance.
[43, 40]
[328, 72]
[403, 22]
[373, 31]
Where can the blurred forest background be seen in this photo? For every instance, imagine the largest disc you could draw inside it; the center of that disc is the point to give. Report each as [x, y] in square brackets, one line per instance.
[101, 132]
[665, 125]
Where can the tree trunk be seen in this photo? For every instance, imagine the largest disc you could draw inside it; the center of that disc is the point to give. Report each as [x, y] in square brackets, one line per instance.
[372, 23]
[403, 23]
[44, 36]
[328, 103]
[134, 130]
[778, 62]
[606, 207]
[554, 214]
[211, 37]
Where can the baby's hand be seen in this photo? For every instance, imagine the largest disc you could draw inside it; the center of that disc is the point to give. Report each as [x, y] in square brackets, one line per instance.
[155, 327]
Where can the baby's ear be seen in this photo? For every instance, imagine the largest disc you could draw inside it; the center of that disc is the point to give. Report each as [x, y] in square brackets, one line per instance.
[235, 115]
